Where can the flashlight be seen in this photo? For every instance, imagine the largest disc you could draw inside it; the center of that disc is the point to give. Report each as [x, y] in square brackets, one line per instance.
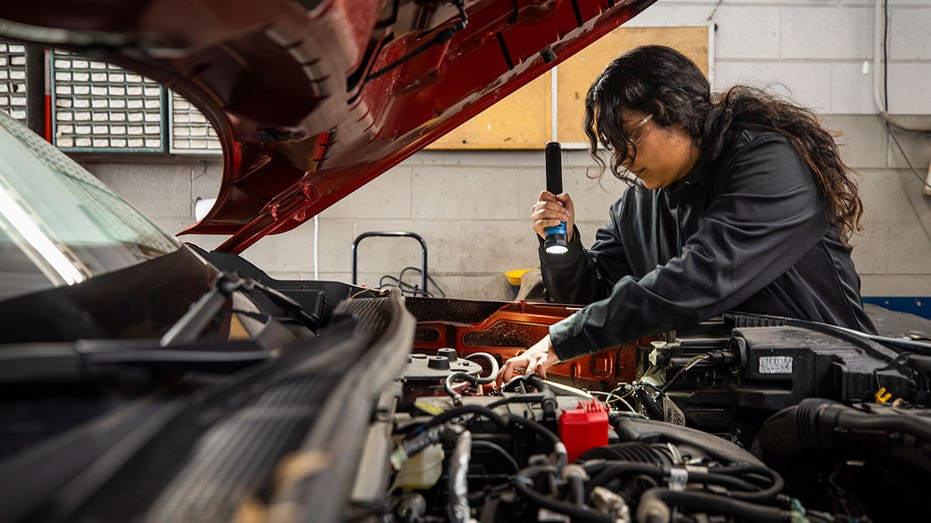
[555, 236]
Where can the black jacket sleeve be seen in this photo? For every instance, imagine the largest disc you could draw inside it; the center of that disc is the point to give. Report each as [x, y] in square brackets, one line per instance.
[584, 276]
[767, 212]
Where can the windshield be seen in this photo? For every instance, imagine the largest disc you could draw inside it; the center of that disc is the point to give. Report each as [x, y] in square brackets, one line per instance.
[58, 224]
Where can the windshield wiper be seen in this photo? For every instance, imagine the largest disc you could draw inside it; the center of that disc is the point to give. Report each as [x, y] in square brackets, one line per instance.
[95, 359]
[192, 323]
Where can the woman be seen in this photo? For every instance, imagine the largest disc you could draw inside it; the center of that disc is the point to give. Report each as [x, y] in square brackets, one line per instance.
[738, 202]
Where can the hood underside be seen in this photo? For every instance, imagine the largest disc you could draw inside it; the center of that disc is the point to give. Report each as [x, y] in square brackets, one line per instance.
[313, 99]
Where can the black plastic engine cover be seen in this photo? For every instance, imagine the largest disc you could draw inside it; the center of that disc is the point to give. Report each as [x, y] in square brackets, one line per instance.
[781, 366]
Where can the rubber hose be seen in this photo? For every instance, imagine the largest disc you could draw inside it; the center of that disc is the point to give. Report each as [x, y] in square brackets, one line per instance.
[654, 506]
[574, 512]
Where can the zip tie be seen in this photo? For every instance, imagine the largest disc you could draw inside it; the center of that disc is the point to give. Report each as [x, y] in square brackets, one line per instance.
[678, 478]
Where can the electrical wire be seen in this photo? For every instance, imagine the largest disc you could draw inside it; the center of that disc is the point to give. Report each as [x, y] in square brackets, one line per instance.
[881, 57]
[685, 368]
[898, 145]
[408, 289]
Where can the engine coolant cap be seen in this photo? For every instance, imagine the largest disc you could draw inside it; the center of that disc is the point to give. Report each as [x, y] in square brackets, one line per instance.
[438, 362]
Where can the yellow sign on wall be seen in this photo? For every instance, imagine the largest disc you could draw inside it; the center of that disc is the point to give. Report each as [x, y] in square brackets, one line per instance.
[523, 120]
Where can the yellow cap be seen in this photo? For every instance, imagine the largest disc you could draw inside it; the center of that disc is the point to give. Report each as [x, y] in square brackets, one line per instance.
[514, 275]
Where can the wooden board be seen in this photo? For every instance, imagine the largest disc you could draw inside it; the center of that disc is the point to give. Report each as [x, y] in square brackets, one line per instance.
[523, 120]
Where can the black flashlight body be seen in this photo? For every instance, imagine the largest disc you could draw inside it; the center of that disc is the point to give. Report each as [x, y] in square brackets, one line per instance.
[555, 237]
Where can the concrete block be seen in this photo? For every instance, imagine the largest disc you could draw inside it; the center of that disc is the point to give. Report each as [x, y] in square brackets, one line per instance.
[478, 287]
[826, 32]
[736, 38]
[915, 149]
[863, 139]
[591, 197]
[287, 275]
[208, 242]
[157, 190]
[909, 90]
[851, 90]
[444, 245]
[910, 249]
[477, 158]
[808, 84]
[662, 14]
[588, 230]
[918, 200]
[883, 198]
[206, 176]
[501, 246]
[809, 3]
[895, 285]
[172, 224]
[388, 196]
[334, 248]
[288, 252]
[466, 192]
[871, 249]
[910, 33]
[335, 276]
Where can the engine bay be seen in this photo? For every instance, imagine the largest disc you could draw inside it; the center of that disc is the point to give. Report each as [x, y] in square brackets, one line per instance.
[745, 418]
[381, 407]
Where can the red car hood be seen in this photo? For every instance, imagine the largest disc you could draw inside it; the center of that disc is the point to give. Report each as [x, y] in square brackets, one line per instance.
[312, 99]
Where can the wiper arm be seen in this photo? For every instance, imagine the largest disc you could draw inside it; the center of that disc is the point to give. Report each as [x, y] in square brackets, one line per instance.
[192, 323]
[195, 320]
[88, 359]
[288, 304]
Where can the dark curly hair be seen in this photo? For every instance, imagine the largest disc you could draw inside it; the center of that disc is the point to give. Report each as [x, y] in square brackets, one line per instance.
[662, 82]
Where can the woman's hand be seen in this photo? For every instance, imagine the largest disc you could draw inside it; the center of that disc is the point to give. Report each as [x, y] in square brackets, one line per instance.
[551, 209]
[534, 360]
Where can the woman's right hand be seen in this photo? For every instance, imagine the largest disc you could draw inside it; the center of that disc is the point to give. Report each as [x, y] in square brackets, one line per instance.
[551, 209]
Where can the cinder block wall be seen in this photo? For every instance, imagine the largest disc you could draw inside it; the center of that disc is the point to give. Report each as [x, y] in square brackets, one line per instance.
[472, 207]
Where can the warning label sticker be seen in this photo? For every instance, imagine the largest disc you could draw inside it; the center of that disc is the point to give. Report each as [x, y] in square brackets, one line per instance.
[775, 365]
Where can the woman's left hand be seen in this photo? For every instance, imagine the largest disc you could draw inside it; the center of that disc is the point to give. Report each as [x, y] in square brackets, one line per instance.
[534, 360]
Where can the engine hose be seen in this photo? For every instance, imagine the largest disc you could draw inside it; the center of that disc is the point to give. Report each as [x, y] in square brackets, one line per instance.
[654, 506]
[409, 447]
[549, 398]
[492, 361]
[512, 385]
[460, 376]
[738, 488]
[497, 449]
[825, 428]
[559, 449]
[776, 483]
[439, 419]
[524, 487]
[522, 398]
[654, 410]
[458, 510]
[606, 473]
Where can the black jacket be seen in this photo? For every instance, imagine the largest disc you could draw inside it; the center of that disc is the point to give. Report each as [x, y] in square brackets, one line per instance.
[748, 232]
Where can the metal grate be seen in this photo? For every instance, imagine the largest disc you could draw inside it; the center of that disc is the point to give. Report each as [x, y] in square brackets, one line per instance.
[190, 130]
[13, 80]
[102, 107]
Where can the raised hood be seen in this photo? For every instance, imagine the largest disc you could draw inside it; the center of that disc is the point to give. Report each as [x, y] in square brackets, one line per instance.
[313, 99]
